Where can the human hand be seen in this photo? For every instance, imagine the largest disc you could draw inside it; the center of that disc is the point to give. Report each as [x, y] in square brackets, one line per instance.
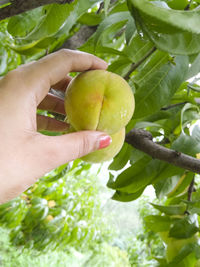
[26, 155]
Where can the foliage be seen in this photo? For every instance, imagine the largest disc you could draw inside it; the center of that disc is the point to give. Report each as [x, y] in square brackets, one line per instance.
[145, 245]
[62, 208]
[160, 42]
[103, 255]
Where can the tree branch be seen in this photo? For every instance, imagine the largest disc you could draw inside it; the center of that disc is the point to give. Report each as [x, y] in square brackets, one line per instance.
[20, 6]
[142, 140]
[79, 38]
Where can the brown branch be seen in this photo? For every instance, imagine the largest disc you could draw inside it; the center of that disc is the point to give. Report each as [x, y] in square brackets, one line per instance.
[20, 6]
[79, 38]
[191, 190]
[136, 65]
[142, 140]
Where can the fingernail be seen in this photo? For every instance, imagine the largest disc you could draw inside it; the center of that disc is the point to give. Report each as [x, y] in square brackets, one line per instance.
[104, 141]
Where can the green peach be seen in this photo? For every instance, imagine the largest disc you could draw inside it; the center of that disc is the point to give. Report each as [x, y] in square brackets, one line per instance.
[99, 100]
[109, 152]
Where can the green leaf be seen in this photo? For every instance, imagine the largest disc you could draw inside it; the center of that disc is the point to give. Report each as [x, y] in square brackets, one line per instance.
[158, 223]
[126, 197]
[120, 66]
[185, 108]
[184, 252]
[106, 6]
[183, 228]
[166, 28]
[60, 173]
[171, 209]
[122, 158]
[89, 47]
[183, 182]
[21, 25]
[177, 4]
[130, 30]
[91, 19]
[145, 124]
[55, 19]
[157, 82]
[58, 20]
[120, 6]
[193, 207]
[134, 178]
[189, 145]
[109, 22]
[194, 68]
[166, 179]
[137, 47]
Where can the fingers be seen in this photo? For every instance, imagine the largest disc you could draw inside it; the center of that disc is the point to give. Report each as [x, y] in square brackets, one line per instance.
[50, 124]
[57, 150]
[41, 75]
[53, 103]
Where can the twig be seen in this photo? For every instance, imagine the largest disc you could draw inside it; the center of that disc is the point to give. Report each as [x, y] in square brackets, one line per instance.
[136, 65]
[174, 105]
[191, 190]
[20, 6]
[142, 140]
[100, 8]
[188, 6]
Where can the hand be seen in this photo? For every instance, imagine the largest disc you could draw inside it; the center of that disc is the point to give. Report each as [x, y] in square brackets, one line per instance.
[26, 155]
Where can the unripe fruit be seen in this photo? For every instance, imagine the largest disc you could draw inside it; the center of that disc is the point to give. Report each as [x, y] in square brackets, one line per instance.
[103, 101]
[109, 152]
[99, 100]
[49, 218]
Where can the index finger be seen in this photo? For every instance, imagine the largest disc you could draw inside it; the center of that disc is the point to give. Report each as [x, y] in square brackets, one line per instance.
[44, 73]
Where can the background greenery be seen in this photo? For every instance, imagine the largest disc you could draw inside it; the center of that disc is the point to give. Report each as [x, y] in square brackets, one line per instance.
[62, 219]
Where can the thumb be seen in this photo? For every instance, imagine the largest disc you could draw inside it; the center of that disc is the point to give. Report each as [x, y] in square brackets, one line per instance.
[61, 149]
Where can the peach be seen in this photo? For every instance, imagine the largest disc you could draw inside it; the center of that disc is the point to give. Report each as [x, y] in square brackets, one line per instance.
[109, 152]
[99, 100]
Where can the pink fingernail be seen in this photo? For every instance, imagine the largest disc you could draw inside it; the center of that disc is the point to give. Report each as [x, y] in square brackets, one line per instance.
[104, 141]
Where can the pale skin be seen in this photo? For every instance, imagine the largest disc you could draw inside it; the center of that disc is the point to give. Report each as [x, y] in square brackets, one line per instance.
[26, 154]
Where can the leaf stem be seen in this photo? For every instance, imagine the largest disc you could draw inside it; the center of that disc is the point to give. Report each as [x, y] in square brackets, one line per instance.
[136, 65]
